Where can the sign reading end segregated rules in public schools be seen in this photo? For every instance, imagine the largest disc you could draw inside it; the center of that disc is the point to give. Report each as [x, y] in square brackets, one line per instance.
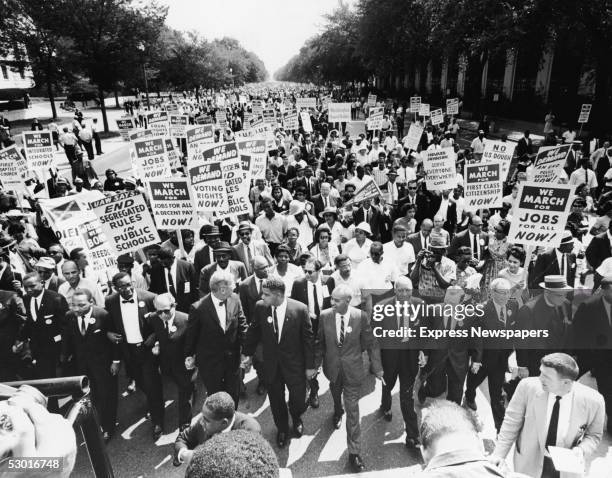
[171, 203]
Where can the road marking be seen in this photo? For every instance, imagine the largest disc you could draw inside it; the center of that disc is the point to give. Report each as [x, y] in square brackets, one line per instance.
[167, 439]
[165, 460]
[298, 448]
[127, 434]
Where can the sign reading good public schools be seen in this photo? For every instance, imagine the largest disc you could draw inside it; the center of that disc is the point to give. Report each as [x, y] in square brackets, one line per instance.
[440, 169]
[157, 122]
[151, 158]
[198, 138]
[541, 214]
[13, 169]
[339, 112]
[126, 221]
[549, 163]
[499, 151]
[38, 147]
[483, 186]
[179, 125]
[171, 203]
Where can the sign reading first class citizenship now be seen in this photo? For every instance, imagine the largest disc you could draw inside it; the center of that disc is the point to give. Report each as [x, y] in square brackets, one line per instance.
[483, 186]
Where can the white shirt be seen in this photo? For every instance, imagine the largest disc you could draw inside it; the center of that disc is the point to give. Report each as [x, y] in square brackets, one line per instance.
[305, 227]
[353, 283]
[129, 316]
[402, 256]
[443, 211]
[475, 253]
[293, 273]
[406, 175]
[311, 297]
[424, 241]
[562, 264]
[565, 407]
[281, 311]
[356, 253]
[94, 288]
[577, 178]
[339, 319]
[172, 273]
[221, 311]
[34, 304]
[377, 276]
[478, 145]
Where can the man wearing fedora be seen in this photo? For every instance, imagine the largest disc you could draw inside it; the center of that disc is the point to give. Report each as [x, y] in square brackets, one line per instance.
[46, 269]
[247, 247]
[558, 261]
[391, 193]
[205, 256]
[550, 311]
[223, 253]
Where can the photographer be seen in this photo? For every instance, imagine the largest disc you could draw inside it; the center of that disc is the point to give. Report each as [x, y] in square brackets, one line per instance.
[433, 271]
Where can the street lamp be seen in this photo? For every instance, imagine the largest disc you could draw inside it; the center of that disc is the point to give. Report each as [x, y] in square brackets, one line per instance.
[141, 47]
[231, 71]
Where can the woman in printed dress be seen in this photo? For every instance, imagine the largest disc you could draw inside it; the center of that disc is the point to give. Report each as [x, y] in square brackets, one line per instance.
[497, 255]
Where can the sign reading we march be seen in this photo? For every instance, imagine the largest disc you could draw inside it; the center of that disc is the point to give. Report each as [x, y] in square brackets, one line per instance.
[541, 214]
[483, 186]
[38, 147]
[171, 203]
[151, 158]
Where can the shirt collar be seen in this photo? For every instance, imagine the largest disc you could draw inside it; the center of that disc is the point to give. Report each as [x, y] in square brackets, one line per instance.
[454, 457]
[281, 309]
[231, 424]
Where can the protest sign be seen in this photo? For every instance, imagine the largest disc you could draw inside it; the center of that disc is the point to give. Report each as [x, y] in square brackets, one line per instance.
[13, 169]
[306, 103]
[178, 125]
[204, 119]
[368, 191]
[371, 100]
[440, 169]
[424, 109]
[549, 163]
[39, 148]
[325, 101]
[256, 145]
[157, 122]
[375, 118]
[207, 184]
[151, 158]
[255, 121]
[437, 116]
[306, 123]
[452, 106]
[501, 151]
[540, 214]
[171, 203]
[290, 122]
[242, 99]
[413, 138]
[269, 116]
[257, 107]
[126, 221]
[198, 138]
[126, 125]
[258, 131]
[585, 112]
[139, 134]
[339, 112]
[172, 153]
[218, 152]
[415, 104]
[237, 184]
[255, 164]
[483, 186]
[172, 108]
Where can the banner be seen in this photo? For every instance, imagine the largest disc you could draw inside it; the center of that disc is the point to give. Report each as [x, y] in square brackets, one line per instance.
[368, 191]
[452, 106]
[371, 100]
[415, 104]
[171, 203]
[157, 122]
[437, 116]
[413, 138]
[549, 163]
[126, 125]
[179, 125]
[207, 184]
[540, 214]
[306, 123]
[39, 148]
[198, 138]
[126, 221]
[13, 169]
[585, 112]
[424, 109]
[151, 158]
[339, 112]
[306, 103]
[483, 186]
[499, 151]
[440, 169]
[237, 185]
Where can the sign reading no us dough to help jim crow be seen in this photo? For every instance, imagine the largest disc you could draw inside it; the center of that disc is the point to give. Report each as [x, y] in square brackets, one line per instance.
[171, 203]
[499, 151]
[440, 169]
[126, 221]
[541, 214]
[483, 186]
[38, 146]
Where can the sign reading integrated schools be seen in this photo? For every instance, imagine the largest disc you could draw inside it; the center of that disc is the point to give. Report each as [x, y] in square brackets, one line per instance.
[38, 147]
[540, 214]
[126, 221]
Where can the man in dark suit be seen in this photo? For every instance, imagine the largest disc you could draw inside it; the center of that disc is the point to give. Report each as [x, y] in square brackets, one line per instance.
[215, 333]
[448, 212]
[247, 248]
[286, 172]
[283, 327]
[559, 261]
[367, 213]
[599, 249]
[344, 334]
[168, 342]
[46, 270]
[12, 318]
[211, 236]
[592, 341]
[222, 253]
[310, 291]
[218, 415]
[420, 200]
[128, 329]
[420, 240]
[498, 314]
[473, 238]
[46, 318]
[524, 147]
[323, 200]
[84, 341]
[175, 276]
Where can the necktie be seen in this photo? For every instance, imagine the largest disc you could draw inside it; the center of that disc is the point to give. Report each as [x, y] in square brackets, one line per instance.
[341, 338]
[171, 288]
[82, 325]
[249, 259]
[367, 215]
[275, 323]
[316, 300]
[36, 307]
[131, 301]
[166, 327]
[586, 177]
[259, 287]
[325, 201]
[475, 247]
[502, 316]
[551, 436]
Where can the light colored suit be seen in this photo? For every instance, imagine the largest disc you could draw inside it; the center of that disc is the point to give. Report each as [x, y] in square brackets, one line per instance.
[343, 366]
[260, 248]
[525, 425]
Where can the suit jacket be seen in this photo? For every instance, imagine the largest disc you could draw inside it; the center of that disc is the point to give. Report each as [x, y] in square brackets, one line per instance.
[598, 249]
[46, 333]
[201, 259]
[260, 249]
[195, 435]
[495, 351]
[12, 320]
[171, 344]
[299, 292]
[463, 239]
[415, 240]
[235, 267]
[390, 345]
[319, 205]
[358, 338]
[249, 295]
[112, 304]
[285, 174]
[93, 351]
[185, 286]
[547, 264]
[525, 425]
[293, 354]
[7, 278]
[451, 214]
[205, 338]
[375, 222]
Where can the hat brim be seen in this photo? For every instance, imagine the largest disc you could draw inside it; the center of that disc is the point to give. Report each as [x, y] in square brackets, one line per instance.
[323, 213]
[566, 287]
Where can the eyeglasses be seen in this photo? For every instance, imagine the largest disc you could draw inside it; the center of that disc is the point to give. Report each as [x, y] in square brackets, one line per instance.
[165, 311]
[246, 233]
[412, 189]
[309, 272]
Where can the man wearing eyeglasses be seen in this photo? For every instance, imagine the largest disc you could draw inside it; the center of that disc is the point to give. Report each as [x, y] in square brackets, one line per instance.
[168, 339]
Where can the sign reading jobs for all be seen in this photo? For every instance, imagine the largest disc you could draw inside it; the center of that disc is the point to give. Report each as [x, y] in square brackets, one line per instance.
[13, 169]
[440, 169]
[499, 151]
[126, 221]
[38, 147]
[171, 203]
[549, 163]
[151, 158]
[339, 112]
[483, 186]
[541, 214]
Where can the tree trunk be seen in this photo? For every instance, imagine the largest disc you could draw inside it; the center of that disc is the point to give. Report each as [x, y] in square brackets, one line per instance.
[599, 117]
[117, 99]
[51, 100]
[103, 109]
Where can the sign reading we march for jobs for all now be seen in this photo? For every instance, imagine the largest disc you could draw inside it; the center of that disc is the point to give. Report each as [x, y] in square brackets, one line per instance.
[171, 203]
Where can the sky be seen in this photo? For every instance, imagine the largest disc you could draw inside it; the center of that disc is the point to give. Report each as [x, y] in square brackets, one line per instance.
[274, 30]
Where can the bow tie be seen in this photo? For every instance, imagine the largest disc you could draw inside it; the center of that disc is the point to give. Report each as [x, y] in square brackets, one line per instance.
[131, 301]
[222, 303]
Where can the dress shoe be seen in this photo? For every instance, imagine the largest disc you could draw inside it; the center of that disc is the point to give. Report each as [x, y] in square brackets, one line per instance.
[314, 401]
[471, 404]
[157, 432]
[281, 439]
[356, 463]
[298, 427]
[131, 388]
[175, 461]
[106, 437]
[261, 388]
[337, 420]
[412, 443]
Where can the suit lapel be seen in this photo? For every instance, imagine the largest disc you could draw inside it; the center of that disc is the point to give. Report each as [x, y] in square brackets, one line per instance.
[541, 404]
[575, 417]
[288, 318]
